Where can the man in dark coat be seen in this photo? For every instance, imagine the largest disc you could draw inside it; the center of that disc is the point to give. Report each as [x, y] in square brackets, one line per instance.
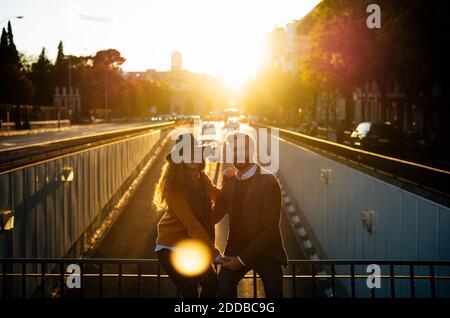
[252, 199]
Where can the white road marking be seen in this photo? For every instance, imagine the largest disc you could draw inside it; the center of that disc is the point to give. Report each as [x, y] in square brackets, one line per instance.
[291, 209]
[307, 244]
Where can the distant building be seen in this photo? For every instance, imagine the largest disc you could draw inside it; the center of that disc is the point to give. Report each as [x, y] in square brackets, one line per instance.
[191, 93]
[177, 61]
[70, 99]
[287, 47]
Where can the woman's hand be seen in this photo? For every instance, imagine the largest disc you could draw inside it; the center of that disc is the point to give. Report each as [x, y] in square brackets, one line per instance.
[217, 257]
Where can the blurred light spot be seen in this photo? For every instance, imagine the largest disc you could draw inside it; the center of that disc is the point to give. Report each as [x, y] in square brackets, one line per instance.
[191, 258]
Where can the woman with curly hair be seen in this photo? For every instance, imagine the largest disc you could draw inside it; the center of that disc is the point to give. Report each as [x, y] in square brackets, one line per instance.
[185, 194]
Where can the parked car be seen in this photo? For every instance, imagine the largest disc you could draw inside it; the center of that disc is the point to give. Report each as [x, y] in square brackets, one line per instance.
[376, 137]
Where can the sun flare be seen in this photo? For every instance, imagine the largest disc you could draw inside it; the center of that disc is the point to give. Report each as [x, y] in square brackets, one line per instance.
[191, 258]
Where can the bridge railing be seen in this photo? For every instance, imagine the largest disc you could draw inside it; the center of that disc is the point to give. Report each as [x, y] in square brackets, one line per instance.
[433, 181]
[14, 158]
[105, 278]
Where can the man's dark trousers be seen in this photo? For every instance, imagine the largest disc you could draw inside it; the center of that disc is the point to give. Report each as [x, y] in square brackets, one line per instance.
[269, 270]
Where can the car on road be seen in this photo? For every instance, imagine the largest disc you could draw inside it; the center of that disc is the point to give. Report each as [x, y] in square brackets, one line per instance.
[376, 137]
[232, 123]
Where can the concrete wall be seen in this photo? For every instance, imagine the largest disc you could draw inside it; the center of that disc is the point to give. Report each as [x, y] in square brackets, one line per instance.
[50, 214]
[406, 226]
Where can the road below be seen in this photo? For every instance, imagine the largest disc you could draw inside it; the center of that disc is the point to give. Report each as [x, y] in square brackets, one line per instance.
[133, 236]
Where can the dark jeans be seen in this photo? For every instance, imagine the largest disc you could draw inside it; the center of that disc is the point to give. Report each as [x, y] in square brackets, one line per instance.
[269, 270]
[188, 286]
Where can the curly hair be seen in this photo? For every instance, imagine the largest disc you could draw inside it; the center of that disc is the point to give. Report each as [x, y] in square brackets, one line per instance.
[172, 178]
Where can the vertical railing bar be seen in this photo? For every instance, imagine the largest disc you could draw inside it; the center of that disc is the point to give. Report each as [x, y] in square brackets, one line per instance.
[24, 280]
[313, 271]
[61, 280]
[294, 278]
[82, 280]
[158, 283]
[101, 281]
[120, 280]
[372, 291]
[139, 279]
[43, 280]
[432, 282]
[4, 279]
[411, 277]
[255, 289]
[333, 281]
[352, 278]
[392, 279]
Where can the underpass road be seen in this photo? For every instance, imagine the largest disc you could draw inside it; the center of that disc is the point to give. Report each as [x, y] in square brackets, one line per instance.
[134, 233]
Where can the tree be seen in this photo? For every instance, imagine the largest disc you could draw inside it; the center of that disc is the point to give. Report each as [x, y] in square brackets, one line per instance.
[110, 58]
[41, 75]
[12, 53]
[109, 81]
[4, 47]
[60, 56]
[61, 69]
[16, 88]
[341, 52]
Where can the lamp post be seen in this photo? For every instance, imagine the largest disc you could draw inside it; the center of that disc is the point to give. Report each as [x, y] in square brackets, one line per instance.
[106, 95]
[70, 89]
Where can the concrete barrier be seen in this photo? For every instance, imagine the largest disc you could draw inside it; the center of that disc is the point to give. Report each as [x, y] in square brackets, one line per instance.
[55, 202]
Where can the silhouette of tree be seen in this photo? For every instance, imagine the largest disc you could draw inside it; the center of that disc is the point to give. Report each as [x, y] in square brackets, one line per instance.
[60, 55]
[13, 54]
[16, 88]
[110, 58]
[41, 74]
[4, 47]
[61, 69]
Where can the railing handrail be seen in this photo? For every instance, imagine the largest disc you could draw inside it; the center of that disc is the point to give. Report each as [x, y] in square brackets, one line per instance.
[354, 150]
[326, 275]
[291, 261]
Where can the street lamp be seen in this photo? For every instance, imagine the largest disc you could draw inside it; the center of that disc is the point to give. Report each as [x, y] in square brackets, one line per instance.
[12, 17]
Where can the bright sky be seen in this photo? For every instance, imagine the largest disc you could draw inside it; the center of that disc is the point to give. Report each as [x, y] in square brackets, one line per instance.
[219, 37]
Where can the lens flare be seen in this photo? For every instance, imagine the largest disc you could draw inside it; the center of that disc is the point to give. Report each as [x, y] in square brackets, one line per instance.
[191, 258]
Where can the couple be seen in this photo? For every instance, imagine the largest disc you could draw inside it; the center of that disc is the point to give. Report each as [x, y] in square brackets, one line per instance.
[193, 205]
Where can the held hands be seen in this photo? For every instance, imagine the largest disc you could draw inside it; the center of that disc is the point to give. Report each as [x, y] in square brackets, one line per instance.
[230, 262]
[229, 173]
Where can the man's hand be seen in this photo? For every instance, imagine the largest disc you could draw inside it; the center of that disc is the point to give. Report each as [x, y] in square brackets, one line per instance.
[219, 259]
[232, 263]
[229, 173]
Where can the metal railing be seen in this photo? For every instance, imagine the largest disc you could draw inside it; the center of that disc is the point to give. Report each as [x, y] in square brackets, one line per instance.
[415, 175]
[99, 278]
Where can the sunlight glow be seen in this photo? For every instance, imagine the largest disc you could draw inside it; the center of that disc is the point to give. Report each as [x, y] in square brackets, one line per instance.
[191, 258]
[220, 37]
